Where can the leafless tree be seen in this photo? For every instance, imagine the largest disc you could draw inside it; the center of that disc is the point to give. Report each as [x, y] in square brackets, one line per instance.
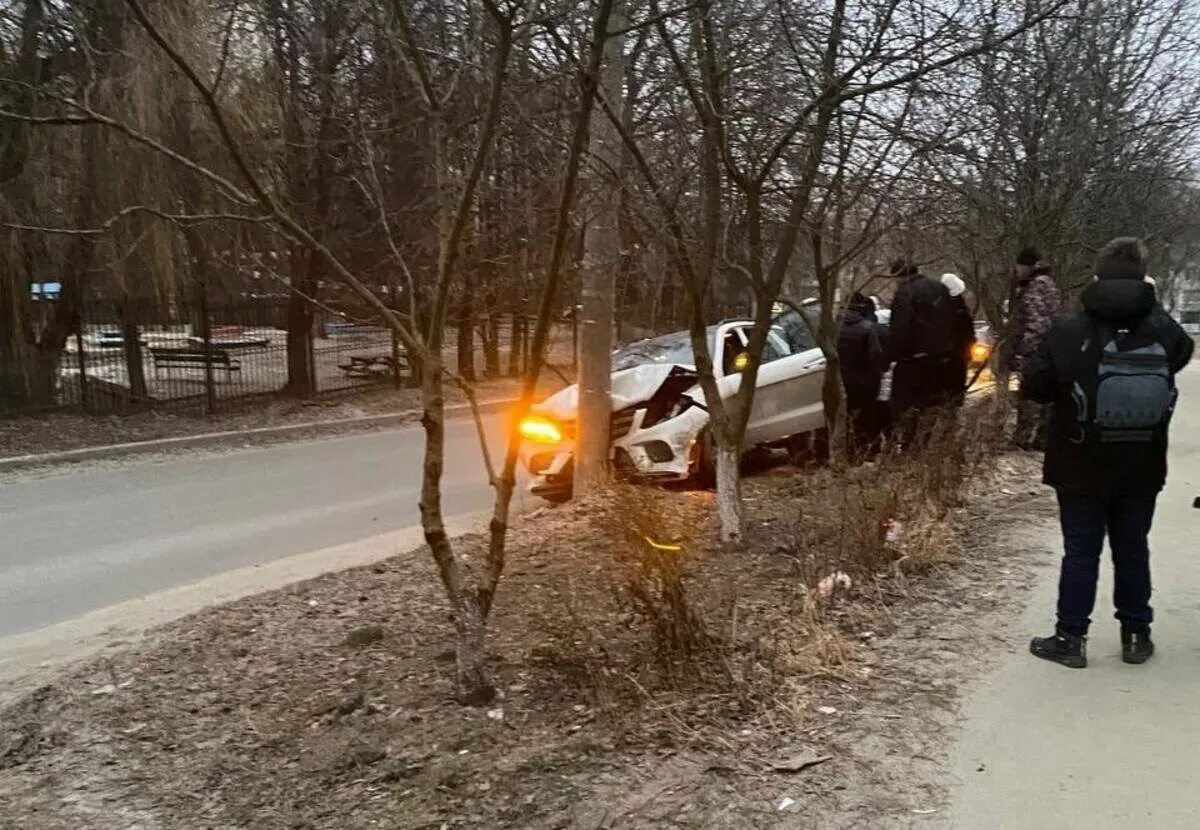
[601, 262]
[767, 86]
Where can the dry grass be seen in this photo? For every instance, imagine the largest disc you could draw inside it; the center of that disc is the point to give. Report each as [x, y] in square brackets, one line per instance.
[644, 670]
[897, 513]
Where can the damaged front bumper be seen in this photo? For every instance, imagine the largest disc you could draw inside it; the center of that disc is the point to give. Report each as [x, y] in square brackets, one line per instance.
[665, 451]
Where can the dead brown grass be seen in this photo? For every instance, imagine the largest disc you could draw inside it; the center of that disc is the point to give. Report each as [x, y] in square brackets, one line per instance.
[629, 648]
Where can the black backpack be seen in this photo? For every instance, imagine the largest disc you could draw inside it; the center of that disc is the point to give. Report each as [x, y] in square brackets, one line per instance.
[1125, 392]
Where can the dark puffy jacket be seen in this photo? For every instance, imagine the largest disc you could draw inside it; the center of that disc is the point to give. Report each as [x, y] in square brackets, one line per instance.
[861, 356]
[1086, 468]
[922, 341]
[964, 339]
[924, 320]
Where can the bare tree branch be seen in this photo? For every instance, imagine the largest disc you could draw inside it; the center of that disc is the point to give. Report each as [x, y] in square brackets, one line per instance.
[133, 210]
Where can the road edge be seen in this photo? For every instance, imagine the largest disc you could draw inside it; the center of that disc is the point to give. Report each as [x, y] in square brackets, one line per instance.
[32, 658]
[207, 439]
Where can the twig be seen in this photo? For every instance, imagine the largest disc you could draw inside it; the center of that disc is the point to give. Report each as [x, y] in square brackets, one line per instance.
[90, 116]
[473, 401]
[111, 222]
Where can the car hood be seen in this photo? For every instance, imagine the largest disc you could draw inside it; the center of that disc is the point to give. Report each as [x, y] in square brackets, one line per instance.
[629, 387]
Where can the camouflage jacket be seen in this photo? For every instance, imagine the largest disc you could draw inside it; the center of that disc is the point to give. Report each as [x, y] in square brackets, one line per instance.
[1037, 302]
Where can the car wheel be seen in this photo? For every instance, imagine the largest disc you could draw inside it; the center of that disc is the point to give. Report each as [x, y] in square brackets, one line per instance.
[810, 448]
[821, 445]
[704, 473]
[556, 496]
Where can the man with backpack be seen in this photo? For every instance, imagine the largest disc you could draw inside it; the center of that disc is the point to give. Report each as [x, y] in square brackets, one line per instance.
[922, 342]
[1109, 371]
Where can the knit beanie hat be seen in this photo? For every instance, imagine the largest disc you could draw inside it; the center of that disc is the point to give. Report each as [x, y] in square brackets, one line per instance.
[954, 284]
[1028, 256]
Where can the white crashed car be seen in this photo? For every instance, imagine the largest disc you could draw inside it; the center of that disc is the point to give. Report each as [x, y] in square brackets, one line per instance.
[659, 422]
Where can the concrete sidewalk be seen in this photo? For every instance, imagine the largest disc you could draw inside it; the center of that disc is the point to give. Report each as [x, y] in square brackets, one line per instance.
[1113, 746]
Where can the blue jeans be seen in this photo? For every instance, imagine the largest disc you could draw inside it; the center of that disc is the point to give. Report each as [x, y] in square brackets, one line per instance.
[1085, 520]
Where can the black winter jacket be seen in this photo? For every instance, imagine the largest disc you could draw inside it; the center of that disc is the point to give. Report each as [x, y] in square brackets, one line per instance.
[861, 356]
[1107, 469]
[924, 320]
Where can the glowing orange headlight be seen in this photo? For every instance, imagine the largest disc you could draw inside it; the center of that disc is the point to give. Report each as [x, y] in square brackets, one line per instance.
[540, 430]
[980, 352]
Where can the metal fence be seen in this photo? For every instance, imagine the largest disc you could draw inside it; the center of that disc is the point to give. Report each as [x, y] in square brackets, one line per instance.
[129, 357]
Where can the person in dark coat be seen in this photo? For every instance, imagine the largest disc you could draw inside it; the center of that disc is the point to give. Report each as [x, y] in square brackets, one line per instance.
[863, 362]
[883, 402]
[964, 339]
[922, 343]
[1107, 482]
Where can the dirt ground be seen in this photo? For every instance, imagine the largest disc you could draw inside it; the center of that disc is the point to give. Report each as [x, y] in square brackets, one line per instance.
[59, 431]
[738, 701]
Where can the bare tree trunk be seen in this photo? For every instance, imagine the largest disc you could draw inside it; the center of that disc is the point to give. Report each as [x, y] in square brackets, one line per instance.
[299, 336]
[474, 681]
[729, 492]
[21, 384]
[505, 482]
[490, 334]
[601, 261]
[466, 327]
[134, 360]
[516, 347]
[833, 394]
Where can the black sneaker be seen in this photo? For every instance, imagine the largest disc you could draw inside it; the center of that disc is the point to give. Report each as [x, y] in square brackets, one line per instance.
[1136, 646]
[1062, 648]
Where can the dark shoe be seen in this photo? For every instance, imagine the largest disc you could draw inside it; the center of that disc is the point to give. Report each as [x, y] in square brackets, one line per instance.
[1136, 646]
[1064, 649]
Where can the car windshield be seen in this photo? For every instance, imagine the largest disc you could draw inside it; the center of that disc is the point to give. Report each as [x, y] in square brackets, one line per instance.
[670, 348]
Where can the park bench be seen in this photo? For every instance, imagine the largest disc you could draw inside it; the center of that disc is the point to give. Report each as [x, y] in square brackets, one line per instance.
[372, 366]
[194, 358]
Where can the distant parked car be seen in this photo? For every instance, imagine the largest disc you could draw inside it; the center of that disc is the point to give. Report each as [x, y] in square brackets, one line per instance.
[659, 428]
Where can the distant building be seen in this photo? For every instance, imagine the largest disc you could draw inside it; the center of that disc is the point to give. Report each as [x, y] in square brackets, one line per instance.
[46, 290]
[1185, 304]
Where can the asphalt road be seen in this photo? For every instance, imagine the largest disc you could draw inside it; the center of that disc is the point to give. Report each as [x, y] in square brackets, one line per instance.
[1111, 746]
[85, 538]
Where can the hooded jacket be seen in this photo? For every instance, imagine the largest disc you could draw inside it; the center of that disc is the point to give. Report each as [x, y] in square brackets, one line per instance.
[923, 320]
[922, 342]
[1107, 469]
[861, 354]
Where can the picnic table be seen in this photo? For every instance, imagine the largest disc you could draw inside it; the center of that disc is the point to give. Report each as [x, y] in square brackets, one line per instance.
[233, 342]
[372, 366]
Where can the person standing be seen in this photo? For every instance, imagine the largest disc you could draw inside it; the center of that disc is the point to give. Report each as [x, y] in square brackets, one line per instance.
[883, 401]
[921, 343]
[964, 339]
[1035, 302]
[862, 360]
[1109, 372]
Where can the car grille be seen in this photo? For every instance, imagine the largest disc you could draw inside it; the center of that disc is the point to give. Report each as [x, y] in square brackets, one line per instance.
[622, 423]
